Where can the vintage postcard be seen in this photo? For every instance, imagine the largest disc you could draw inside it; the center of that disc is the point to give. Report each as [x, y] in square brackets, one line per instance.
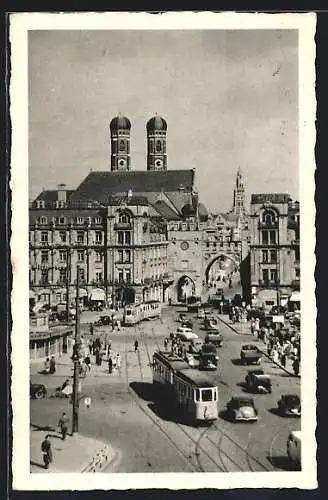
[163, 236]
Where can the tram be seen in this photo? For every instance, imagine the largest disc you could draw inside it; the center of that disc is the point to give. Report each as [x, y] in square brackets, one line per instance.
[192, 391]
[135, 313]
[193, 303]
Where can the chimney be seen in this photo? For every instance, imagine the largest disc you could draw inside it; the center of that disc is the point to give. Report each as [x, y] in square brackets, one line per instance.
[61, 195]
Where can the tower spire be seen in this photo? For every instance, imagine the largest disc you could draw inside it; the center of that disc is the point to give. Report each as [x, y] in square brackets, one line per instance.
[238, 206]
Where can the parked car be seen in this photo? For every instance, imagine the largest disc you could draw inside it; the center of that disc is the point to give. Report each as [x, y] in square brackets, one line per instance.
[208, 358]
[183, 328]
[186, 335]
[289, 405]
[250, 354]
[37, 391]
[294, 445]
[103, 320]
[241, 408]
[182, 317]
[188, 323]
[214, 338]
[258, 381]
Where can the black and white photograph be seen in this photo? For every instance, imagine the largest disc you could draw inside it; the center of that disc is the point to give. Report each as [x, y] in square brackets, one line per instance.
[162, 248]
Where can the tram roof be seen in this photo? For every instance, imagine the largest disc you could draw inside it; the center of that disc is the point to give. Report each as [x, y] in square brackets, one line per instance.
[196, 377]
[173, 361]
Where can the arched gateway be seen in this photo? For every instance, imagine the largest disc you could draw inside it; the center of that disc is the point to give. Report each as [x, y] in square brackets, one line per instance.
[223, 272]
[186, 288]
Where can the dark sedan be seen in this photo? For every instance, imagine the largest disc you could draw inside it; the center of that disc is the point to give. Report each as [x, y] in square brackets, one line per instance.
[37, 391]
[289, 405]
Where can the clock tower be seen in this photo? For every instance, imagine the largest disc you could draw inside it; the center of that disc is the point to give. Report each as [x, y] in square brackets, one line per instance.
[120, 127]
[156, 144]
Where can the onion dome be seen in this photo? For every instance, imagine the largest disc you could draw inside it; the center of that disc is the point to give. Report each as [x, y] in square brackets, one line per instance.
[156, 123]
[188, 210]
[120, 122]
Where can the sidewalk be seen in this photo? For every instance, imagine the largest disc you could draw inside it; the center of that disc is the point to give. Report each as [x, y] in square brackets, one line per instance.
[244, 329]
[76, 454]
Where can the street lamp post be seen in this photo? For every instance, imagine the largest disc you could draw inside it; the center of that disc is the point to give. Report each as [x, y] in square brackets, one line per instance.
[75, 418]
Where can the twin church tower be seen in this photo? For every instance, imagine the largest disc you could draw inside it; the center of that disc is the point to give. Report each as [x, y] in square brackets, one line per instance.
[120, 128]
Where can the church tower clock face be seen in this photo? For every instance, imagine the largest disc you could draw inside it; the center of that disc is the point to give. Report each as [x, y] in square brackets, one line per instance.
[158, 163]
[122, 163]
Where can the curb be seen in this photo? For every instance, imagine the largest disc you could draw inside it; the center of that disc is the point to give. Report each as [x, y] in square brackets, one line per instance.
[264, 353]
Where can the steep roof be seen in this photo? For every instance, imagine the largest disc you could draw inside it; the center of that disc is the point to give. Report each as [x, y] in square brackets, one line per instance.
[51, 195]
[133, 200]
[165, 211]
[270, 197]
[100, 185]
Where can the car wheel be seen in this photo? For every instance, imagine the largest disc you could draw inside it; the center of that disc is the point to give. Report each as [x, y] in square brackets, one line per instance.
[39, 394]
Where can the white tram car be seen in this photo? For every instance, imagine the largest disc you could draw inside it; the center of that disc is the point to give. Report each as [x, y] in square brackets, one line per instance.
[193, 392]
[139, 312]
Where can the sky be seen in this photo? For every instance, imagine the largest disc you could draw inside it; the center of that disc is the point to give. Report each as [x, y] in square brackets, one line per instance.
[230, 99]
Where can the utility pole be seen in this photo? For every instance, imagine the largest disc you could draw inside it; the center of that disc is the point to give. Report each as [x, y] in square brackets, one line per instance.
[67, 283]
[76, 352]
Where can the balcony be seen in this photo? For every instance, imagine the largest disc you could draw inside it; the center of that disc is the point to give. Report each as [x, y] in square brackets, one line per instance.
[124, 226]
[267, 225]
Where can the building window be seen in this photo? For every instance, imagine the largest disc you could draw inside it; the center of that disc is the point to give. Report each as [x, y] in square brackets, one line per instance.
[124, 218]
[40, 204]
[158, 146]
[82, 275]
[80, 236]
[297, 253]
[44, 256]
[120, 238]
[60, 204]
[272, 237]
[122, 145]
[62, 236]
[120, 276]
[273, 275]
[128, 276]
[264, 256]
[297, 273]
[99, 257]
[79, 220]
[99, 237]
[97, 220]
[127, 256]
[63, 275]
[265, 275]
[61, 220]
[273, 256]
[269, 217]
[80, 255]
[31, 236]
[43, 220]
[62, 256]
[44, 276]
[99, 277]
[44, 236]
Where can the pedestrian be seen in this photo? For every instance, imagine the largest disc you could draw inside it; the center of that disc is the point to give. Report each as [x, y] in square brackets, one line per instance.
[118, 324]
[100, 356]
[87, 362]
[136, 346]
[296, 366]
[46, 365]
[118, 361]
[52, 365]
[252, 326]
[91, 329]
[90, 346]
[46, 451]
[165, 344]
[283, 360]
[110, 365]
[63, 424]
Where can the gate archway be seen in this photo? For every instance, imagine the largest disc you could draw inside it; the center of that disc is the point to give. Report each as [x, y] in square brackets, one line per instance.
[223, 272]
[186, 288]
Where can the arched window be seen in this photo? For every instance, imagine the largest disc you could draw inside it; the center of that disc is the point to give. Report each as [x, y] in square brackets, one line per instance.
[269, 217]
[124, 218]
[158, 146]
[122, 145]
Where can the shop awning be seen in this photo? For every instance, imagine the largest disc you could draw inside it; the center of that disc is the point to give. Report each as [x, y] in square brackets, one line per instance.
[295, 297]
[97, 294]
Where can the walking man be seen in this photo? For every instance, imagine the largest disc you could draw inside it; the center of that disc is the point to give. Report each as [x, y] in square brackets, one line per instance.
[136, 346]
[63, 424]
[118, 361]
[110, 365]
[46, 452]
[52, 367]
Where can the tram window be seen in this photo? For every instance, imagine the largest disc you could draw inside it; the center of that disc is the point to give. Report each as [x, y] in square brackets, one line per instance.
[197, 395]
[206, 394]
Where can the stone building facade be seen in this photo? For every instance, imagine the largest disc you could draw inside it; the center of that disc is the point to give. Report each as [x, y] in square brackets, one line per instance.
[274, 248]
